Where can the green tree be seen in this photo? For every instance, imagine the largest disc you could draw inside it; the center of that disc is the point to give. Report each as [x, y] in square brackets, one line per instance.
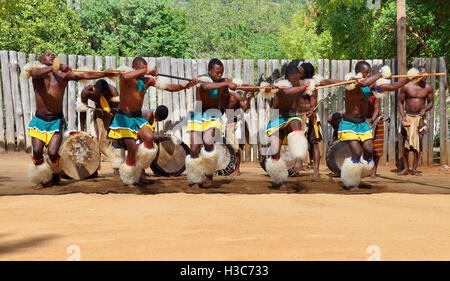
[135, 27]
[35, 26]
[237, 29]
[302, 39]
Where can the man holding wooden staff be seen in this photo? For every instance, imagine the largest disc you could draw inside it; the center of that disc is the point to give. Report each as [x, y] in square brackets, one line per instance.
[47, 126]
[205, 124]
[414, 100]
[129, 124]
[354, 128]
[287, 124]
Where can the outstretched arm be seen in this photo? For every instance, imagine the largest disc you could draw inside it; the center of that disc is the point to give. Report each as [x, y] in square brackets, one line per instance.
[330, 81]
[369, 80]
[395, 86]
[219, 85]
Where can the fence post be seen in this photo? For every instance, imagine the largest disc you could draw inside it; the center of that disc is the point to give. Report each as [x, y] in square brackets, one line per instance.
[444, 141]
[10, 139]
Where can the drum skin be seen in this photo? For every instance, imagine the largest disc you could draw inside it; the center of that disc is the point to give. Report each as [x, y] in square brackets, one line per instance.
[227, 159]
[170, 159]
[336, 154]
[80, 156]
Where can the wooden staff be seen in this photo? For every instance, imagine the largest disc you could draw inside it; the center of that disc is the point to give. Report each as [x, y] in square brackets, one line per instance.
[417, 75]
[119, 72]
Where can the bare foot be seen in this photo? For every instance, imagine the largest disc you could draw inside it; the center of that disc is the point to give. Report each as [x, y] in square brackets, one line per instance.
[131, 186]
[208, 180]
[316, 175]
[116, 173]
[283, 187]
[38, 186]
[195, 185]
[235, 173]
[415, 173]
[404, 172]
[352, 188]
[373, 176]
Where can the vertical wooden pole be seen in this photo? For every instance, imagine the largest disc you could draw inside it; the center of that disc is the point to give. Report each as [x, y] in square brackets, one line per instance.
[401, 52]
[72, 96]
[7, 92]
[24, 94]
[444, 141]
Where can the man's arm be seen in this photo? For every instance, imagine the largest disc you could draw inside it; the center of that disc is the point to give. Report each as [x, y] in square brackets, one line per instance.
[41, 72]
[394, 86]
[130, 75]
[84, 99]
[219, 85]
[245, 105]
[376, 111]
[369, 80]
[401, 103]
[330, 81]
[293, 90]
[430, 101]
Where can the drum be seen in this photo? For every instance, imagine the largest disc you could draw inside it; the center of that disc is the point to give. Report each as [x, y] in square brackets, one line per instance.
[170, 159]
[80, 156]
[285, 154]
[336, 154]
[227, 159]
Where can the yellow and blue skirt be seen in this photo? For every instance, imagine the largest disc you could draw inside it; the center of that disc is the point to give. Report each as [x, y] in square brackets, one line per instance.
[124, 126]
[349, 131]
[280, 123]
[44, 130]
[203, 121]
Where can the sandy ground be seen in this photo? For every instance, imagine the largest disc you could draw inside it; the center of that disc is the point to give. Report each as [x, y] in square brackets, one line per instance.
[242, 218]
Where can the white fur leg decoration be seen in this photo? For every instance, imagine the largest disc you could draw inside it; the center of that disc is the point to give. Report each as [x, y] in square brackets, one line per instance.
[162, 82]
[311, 87]
[237, 81]
[277, 170]
[209, 161]
[130, 174]
[283, 83]
[81, 107]
[40, 174]
[115, 99]
[26, 72]
[124, 68]
[386, 72]
[117, 157]
[145, 156]
[298, 144]
[194, 170]
[267, 94]
[351, 173]
[413, 71]
[318, 78]
[366, 167]
[204, 79]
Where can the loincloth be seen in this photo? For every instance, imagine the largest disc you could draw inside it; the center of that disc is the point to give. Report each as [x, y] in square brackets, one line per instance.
[411, 133]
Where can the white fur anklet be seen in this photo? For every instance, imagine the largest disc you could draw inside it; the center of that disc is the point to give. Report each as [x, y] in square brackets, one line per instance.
[117, 157]
[130, 174]
[351, 172]
[194, 170]
[298, 144]
[40, 174]
[209, 161]
[277, 170]
[367, 167]
[145, 156]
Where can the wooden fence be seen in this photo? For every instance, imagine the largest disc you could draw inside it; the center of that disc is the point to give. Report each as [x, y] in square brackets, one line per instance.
[18, 99]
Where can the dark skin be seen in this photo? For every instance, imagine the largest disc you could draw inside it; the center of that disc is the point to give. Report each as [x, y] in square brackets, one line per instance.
[221, 85]
[415, 99]
[91, 93]
[235, 101]
[375, 110]
[147, 114]
[286, 100]
[131, 100]
[49, 90]
[306, 104]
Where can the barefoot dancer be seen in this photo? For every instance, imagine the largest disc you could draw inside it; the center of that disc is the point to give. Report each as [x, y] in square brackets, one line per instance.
[48, 125]
[355, 130]
[129, 124]
[205, 124]
[414, 100]
[288, 124]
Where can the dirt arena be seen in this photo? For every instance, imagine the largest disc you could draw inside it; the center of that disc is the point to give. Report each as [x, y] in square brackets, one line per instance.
[242, 218]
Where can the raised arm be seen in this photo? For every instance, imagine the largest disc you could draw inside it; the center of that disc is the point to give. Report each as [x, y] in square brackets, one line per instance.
[369, 80]
[394, 86]
[219, 85]
[330, 81]
[41, 72]
[136, 73]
